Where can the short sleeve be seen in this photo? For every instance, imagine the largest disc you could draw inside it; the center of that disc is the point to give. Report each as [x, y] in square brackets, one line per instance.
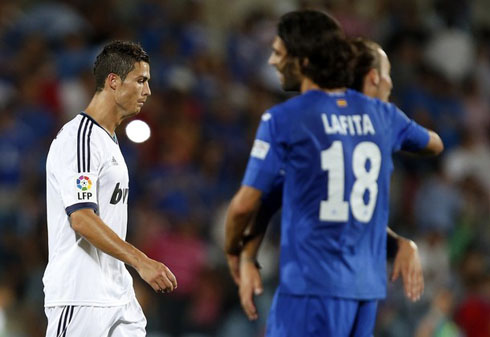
[266, 161]
[407, 134]
[77, 168]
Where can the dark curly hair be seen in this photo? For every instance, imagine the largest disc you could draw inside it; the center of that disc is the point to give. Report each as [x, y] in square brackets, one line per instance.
[317, 40]
[117, 57]
[366, 58]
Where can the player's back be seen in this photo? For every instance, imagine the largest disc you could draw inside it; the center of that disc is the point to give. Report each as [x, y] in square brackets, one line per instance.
[336, 153]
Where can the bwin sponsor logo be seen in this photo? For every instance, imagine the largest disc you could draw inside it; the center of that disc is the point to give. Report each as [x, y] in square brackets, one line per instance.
[118, 194]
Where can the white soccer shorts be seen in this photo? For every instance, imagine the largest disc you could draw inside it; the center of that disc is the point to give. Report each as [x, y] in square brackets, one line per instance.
[90, 321]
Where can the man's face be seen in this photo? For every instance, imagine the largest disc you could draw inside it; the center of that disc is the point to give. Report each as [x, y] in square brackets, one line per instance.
[385, 85]
[286, 66]
[132, 93]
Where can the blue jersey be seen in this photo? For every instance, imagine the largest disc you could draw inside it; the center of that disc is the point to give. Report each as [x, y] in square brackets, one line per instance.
[333, 153]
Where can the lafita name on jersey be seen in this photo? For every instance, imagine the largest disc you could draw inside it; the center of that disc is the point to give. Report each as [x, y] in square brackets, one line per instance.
[359, 125]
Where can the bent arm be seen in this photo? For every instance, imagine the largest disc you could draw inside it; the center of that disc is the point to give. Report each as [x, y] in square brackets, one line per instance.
[434, 146]
[256, 230]
[241, 211]
[89, 225]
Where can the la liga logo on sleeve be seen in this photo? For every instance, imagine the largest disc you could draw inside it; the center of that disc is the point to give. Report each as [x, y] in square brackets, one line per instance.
[84, 184]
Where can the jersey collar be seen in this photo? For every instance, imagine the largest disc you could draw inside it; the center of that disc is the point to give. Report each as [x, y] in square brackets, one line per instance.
[113, 137]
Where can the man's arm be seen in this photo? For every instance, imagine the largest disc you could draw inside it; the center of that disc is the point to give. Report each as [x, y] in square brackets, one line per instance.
[241, 212]
[407, 263]
[248, 275]
[256, 230]
[434, 147]
[250, 243]
[250, 281]
[91, 227]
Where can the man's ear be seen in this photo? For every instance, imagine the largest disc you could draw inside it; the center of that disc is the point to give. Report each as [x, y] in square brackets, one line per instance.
[373, 77]
[112, 81]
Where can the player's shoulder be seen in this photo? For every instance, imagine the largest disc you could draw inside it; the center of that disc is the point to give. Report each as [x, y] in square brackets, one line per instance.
[64, 145]
[361, 98]
[81, 126]
[373, 102]
[293, 106]
[69, 130]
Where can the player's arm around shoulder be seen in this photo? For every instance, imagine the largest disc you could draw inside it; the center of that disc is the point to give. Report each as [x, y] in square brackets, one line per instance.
[409, 136]
[90, 226]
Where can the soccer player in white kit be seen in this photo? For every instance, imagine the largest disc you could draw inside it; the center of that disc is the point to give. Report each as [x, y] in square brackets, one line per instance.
[88, 290]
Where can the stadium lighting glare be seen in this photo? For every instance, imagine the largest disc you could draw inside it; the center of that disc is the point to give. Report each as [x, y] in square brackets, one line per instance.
[138, 131]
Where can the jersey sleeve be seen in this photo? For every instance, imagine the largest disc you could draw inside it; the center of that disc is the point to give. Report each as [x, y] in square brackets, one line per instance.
[78, 167]
[407, 134]
[266, 161]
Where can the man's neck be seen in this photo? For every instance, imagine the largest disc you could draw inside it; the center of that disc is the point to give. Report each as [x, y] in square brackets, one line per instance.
[308, 84]
[102, 109]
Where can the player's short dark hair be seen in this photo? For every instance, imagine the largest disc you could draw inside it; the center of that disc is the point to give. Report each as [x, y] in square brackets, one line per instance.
[317, 40]
[117, 57]
[366, 58]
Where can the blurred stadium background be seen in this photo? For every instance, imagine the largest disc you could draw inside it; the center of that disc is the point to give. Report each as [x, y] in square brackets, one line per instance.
[211, 83]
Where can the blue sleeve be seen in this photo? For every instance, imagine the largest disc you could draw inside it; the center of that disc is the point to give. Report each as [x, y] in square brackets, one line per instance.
[266, 161]
[407, 134]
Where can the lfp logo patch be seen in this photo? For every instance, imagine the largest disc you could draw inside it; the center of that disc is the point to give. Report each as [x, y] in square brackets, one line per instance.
[84, 183]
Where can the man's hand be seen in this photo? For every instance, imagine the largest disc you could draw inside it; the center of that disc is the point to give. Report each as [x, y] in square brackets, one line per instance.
[89, 225]
[157, 275]
[250, 285]
[233, 265]
[407, 262]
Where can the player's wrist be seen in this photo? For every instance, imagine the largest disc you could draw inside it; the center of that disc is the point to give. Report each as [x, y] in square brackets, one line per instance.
[245, 258]
[138, 260]
[407, 243]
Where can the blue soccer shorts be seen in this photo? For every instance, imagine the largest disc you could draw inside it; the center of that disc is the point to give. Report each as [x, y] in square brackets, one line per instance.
[320, 316]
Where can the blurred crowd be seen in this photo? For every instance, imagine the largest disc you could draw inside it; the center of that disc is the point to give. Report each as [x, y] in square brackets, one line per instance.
[210, 84]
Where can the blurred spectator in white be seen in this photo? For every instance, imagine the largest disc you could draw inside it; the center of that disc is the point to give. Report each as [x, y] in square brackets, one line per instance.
[75, 93]
[452, 52]
[434, 256]
[470, 157]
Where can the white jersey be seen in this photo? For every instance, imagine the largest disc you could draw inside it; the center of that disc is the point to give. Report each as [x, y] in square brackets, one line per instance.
[85, 169]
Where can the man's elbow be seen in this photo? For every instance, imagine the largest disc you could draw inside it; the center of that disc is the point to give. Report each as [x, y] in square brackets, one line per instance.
[78, 221]
[241, 208]
[76, 224]
[435, 146]
[439, 149]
